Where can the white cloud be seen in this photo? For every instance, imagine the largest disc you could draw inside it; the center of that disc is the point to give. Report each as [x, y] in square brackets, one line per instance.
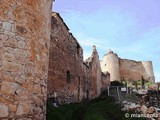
[88, 41]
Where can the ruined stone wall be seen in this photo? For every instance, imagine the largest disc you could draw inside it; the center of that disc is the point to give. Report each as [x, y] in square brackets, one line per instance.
[120, 69]
[110, 63]
[105, 80]
[24, 44]
[134, 70]
[130, 70]
[87, 81]
[95, 81]
[65, 63]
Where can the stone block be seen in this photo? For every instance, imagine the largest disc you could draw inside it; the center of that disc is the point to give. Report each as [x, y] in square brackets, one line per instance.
[4, 111]
[8, 57]
[10, 43]
[9, 88]
[23, 108]
[7, 26]
[11, 66]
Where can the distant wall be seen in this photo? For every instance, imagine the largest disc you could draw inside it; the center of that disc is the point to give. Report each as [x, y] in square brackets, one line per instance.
[134, 70]
[120, 69]
[130, 70]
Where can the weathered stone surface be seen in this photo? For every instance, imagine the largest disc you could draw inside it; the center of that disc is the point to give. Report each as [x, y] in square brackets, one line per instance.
[9, 87]
[13, 108]
[11, 66]
[4, 111]
[12, 42]
[9, 57]
[23, 108]
[23, 22]
[7, 26]
[66, 64]
[37, 111]
[37, 88]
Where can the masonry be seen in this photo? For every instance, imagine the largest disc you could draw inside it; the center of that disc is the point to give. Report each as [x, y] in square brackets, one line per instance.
[125, 69]
[24, 50]
[69, 76]
[65, 63]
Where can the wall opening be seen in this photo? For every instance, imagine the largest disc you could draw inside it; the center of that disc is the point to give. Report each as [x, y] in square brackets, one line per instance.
[68, 76]
[78, 49]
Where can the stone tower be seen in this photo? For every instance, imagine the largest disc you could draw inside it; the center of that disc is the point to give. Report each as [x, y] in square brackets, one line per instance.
[24, 48]
[110, 63]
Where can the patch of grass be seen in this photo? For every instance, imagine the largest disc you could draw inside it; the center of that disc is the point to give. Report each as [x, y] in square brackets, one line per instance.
[98, 109]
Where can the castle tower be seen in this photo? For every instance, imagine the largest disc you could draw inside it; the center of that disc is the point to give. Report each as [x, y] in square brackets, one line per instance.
[110, 63]
[24, 48]
[147, 72]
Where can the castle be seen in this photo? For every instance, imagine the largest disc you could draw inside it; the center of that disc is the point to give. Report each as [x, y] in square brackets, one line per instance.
[69, 76]
[39, 56]
[124, 69]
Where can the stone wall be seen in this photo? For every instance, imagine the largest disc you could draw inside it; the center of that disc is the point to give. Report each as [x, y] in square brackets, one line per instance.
[130, 70]
[105, 80]
[72, 79]
[125, 69]
[87, 81]
[65, 63]
[24, 50]
[96, 80]
[134, 70]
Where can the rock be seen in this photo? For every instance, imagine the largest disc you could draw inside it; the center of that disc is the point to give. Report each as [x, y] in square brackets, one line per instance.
[144, 109]
[10, 43]
[13, 108]
[134, 106]
[9, 57]
[7, 26]
[4, 111]
[12, 66]
[21, 44]
[157, 109]
[124, 109]
[23, 108]
[9, 88]
[124, 102]
[150, 110]
[37, 88]
[41, 117]
[37, 111]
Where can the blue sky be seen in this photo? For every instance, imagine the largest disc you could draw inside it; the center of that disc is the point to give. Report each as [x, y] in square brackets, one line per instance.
[131, 28]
